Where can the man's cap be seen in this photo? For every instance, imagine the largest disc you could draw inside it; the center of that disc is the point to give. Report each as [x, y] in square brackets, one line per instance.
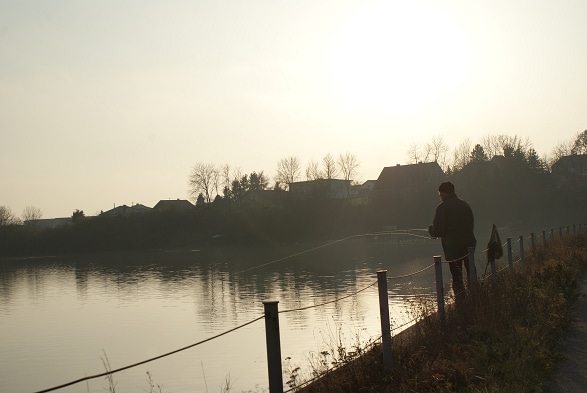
[447, 187]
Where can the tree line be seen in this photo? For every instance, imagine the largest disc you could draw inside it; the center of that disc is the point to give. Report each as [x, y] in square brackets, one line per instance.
[503, 178]
[208, 182]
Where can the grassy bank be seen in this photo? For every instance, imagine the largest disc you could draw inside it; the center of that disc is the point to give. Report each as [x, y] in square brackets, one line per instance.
[506, 338]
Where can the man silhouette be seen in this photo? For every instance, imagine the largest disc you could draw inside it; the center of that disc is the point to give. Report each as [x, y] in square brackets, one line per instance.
[453, 223]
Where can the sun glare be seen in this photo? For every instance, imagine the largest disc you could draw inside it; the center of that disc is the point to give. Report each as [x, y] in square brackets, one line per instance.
[397, 58]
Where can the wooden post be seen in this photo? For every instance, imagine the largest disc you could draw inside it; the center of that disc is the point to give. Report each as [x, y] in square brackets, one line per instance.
[551, 234]
[532, 242]
[544, 238]
[521, 249]
[273, 346]
[439, 287]
[493, 270]
[560, 232]
[385, 322]
[510, 256]
[472, 268]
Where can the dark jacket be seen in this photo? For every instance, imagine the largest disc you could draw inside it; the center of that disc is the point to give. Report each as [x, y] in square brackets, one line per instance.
[454, 224]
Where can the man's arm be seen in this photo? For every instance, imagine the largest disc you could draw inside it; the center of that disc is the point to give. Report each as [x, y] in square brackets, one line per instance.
[438, 227]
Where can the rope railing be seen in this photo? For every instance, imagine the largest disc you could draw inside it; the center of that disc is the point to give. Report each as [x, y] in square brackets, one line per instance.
[110, 372]
[330, 301]
[411, 274]
[456, 260]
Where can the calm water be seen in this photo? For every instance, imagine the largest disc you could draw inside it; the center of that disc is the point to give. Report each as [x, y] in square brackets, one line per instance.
[62, 318]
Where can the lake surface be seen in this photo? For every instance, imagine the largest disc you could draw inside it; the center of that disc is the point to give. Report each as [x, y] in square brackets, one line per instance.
[63, 317]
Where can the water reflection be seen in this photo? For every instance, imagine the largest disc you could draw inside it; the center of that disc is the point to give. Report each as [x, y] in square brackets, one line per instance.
[58, 315]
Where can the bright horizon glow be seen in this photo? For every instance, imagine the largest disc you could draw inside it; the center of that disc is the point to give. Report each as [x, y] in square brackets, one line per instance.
[108, 103]
[384, 61]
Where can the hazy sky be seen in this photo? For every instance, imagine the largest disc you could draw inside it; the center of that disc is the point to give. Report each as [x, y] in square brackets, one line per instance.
[112, 102]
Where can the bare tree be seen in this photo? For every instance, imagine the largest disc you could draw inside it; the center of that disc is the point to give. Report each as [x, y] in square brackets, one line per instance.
[288, 170]
[462, 155]
[436, 149]
[562, 149]
[580, 143]
[226, 176]
[514, 145]
[495, 145]
[31, 214]
[491, 146]
[414, 154]
[329, 167]
[348, 165]
[204, 180]
[7, 217]
[313, 171]
[225, 173]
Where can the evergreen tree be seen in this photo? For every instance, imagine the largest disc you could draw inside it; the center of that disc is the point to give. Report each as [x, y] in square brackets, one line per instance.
[478, 154]
[534, 162]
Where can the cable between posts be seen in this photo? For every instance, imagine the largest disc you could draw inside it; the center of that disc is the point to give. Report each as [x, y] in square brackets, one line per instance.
[148, 360]
[330, 301]
[410, 274]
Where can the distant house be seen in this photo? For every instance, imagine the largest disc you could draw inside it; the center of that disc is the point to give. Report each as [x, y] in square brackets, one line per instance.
[407, 194]
[407, 179]
[366, 188]
[49, 223]
[361, 193]
[321, 189]
[173, 205]
[124, 210]
[570, 170]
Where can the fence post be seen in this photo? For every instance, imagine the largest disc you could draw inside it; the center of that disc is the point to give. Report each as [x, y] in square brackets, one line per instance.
[574, 229]
[439, 287]
[551, 234]
[385, 322]
[472, 282]
[493, 270]
[532, 242]
[510, 256]
[273, 346]
[544, 238]
[560, 232]
[472, 267]
[521, 249]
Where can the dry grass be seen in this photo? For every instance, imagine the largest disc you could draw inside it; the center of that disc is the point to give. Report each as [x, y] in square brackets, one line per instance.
[505, 338]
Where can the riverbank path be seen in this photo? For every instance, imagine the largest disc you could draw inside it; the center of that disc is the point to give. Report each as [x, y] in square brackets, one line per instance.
[571, 376]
